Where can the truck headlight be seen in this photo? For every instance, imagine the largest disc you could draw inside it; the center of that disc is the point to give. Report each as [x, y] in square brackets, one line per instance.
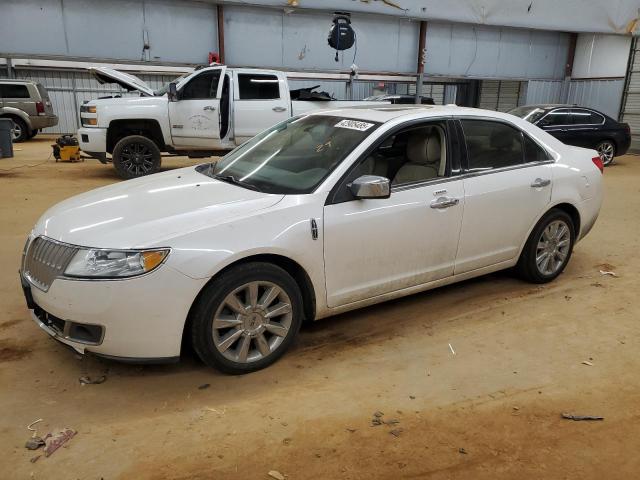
[89, 122]
[99, 263]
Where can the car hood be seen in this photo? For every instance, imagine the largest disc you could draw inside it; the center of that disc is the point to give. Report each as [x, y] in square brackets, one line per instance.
[150, 211]
[125, 80]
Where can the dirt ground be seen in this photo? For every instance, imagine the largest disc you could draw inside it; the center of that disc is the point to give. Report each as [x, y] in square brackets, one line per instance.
[489, 411]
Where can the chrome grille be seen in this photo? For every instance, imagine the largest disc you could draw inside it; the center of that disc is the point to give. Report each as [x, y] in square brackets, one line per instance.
[45, 260]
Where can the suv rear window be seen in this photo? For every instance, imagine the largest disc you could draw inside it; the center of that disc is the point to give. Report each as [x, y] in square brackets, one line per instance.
[10, 90]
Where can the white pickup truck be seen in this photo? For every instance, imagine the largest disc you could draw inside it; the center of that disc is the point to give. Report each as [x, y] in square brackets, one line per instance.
[211, 109]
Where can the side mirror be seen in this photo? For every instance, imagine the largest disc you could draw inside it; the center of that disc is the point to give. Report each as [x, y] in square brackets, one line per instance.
[370, 186]
[173, 92]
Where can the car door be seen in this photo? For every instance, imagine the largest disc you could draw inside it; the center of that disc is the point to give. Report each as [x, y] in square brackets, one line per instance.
[377, 246]
[261, 100]
[507, 187]
[558, 123]
[586, 129]
[194, 117]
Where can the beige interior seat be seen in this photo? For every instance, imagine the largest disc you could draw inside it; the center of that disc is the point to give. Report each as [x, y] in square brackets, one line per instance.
[425, 154]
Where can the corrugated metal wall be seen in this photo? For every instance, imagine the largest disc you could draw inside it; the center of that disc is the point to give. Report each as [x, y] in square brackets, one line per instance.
[502, 95]
[602, 95]
[544, 91]
[631, 103]
[69, 89]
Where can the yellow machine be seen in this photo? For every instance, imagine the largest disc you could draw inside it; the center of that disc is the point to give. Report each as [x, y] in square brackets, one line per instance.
[66, 149]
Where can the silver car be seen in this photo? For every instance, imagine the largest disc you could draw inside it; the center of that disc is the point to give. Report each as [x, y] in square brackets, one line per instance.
[27, 104]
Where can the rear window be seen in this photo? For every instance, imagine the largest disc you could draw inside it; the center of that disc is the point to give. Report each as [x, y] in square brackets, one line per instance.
[258, 87]
[586, 117]
[43, 92]
[9, 90]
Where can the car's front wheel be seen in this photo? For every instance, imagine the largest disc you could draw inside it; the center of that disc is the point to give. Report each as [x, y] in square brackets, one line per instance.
[135, 156]
[607, 152]
[548, 248]
[247, 318]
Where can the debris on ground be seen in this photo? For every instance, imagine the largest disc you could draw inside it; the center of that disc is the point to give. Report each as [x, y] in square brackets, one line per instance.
[412, 397]
[608, 272]
[35, 459]
[463, 451]
[87, 380]
[276, 474]
[378, 414]
[54, 441]
[34, 443]
[578, 418]
[396, 432]
[204, 386]
[352, 430]
[597, 284]
[587, 362]
[452, 350]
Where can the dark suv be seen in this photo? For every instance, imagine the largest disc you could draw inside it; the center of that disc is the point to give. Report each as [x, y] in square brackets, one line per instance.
[27, 104]
[579, 126]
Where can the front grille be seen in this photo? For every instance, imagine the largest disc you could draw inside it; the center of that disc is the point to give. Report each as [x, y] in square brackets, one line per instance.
[45, 260]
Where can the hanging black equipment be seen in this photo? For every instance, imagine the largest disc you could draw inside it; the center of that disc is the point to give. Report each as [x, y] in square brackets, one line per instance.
[341, 34]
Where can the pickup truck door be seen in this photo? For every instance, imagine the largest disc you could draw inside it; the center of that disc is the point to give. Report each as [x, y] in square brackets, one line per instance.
[260, 101]
[195, 116]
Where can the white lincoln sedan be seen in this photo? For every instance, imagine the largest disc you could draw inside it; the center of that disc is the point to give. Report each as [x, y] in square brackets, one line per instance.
[318, 215]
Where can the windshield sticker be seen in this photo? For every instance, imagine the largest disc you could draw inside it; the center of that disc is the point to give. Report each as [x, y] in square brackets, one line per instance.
[354, 125]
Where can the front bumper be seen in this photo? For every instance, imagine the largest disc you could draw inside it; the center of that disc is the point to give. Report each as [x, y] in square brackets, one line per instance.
[136, 320]
[93, 140]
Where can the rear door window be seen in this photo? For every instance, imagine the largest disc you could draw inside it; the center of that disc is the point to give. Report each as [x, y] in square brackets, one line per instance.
[586, 117]
[9, 90]
[492, 145]
[258, 87]
[534, 152]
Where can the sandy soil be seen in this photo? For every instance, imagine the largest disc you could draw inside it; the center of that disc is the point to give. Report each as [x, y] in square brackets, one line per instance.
[517, 365]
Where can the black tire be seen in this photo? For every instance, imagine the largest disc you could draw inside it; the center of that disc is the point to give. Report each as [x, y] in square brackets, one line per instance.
[527, 267]
[606, 151]
[33, 134]
[136, 156]
[213, 300]
[20, 130]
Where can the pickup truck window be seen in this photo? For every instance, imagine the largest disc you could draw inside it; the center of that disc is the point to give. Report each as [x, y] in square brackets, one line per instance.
[293, 157]
[201, 86]
[258, 87]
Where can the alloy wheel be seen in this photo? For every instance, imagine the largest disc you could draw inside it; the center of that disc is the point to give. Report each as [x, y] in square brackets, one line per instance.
[553, 247]
[606, 152]
[17, 131]
[137, 159]
[252, 322]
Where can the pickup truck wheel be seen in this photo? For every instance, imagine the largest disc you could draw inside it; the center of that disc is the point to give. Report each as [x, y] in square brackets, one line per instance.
[20, 130]
[136, 156]
[247, 318]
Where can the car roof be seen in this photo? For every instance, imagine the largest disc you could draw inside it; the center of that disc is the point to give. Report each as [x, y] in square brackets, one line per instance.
[386, 113]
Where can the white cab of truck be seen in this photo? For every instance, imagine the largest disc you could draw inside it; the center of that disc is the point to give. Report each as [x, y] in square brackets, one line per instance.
[211, 109]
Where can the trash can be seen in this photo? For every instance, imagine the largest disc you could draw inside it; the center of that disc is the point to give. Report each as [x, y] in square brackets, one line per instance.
[6, 138]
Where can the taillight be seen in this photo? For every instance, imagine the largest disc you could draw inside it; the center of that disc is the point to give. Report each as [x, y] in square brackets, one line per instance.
[597, 161]
[40, 108]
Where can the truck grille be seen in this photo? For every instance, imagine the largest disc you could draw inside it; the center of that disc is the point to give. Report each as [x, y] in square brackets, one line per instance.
[46, 259]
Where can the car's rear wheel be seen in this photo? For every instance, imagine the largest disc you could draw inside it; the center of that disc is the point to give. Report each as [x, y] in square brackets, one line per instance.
[606, 151]
[136, 156]
[20, 130]
[548, 248]
[247, 318]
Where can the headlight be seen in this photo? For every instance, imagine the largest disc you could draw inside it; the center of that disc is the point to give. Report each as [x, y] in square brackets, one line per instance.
[98, 263]
[89, 122]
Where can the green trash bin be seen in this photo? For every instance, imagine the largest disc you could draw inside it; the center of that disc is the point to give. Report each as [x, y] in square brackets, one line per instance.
[6, 138]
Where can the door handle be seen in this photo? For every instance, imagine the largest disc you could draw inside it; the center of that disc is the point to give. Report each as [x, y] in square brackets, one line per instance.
[278, 109]
[209, 107]
[540, 182]
[444, 202]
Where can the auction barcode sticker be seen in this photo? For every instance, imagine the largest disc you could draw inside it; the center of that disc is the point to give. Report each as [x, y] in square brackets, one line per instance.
[354, 125]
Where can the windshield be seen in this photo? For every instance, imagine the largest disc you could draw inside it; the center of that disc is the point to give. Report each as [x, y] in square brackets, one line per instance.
[161, 91]
[292, 157]
[531, 114]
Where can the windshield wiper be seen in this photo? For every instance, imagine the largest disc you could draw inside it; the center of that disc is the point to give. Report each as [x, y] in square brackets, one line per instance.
[235, 181]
